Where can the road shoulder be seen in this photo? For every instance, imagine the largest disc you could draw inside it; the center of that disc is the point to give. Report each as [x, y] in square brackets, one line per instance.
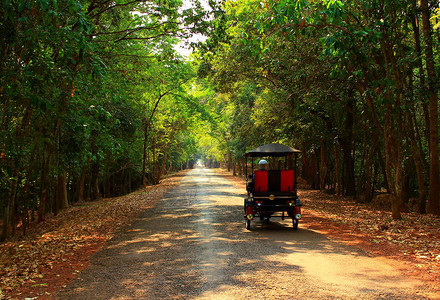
[412, 243]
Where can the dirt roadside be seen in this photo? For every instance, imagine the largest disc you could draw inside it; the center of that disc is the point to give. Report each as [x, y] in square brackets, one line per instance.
[57, 250]
[193, 245]
[414, 240]
[352, 228]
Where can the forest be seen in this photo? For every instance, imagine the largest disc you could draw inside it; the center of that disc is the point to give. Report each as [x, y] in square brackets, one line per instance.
[97, 100]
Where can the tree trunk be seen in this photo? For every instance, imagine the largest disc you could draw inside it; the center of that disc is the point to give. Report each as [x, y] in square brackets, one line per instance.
[393, 131]
[434, 180]
[421, 74]
[308, 168]
[144, 158]
[129, 183]
[161, 169]
[397, 201]
[323, 169]
[394, 168]
[62, 202]
[368, 190]
[82, 181]
[315, 170]
[95, 194]
[348, 172]
[418, 162]
[348, 177]
[44, 187]
[337, 171]
[9, 211]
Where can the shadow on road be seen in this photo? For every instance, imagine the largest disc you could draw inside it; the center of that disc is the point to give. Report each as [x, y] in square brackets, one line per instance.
[193, 244]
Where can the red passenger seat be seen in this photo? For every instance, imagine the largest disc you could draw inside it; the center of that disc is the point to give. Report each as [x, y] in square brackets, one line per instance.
[287, 180]
[260, 181]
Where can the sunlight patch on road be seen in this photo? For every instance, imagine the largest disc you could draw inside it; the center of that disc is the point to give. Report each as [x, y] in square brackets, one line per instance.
[339, 270]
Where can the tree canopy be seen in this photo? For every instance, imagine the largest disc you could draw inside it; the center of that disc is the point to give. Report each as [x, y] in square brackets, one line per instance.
[96, 101]
[352, 83]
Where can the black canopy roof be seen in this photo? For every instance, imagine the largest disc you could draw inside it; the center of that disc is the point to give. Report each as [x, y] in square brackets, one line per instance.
[273, 149]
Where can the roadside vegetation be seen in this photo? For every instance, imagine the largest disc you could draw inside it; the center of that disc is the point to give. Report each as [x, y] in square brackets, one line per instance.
[97, 102]
[353, 84]
[56, 251]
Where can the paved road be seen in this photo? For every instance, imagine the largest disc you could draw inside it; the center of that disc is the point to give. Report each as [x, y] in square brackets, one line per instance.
[193, 245]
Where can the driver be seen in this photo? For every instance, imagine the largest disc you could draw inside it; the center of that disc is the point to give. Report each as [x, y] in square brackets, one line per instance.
[262, 164]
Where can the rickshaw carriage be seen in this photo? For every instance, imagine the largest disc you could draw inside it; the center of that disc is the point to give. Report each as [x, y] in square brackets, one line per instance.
[272, 192]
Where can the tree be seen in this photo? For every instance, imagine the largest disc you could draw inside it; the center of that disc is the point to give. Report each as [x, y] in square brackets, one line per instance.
[72, 82]
[347, 68]
[434, 188]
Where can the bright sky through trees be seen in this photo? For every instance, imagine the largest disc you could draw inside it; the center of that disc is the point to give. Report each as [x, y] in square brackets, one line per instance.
[184, 47]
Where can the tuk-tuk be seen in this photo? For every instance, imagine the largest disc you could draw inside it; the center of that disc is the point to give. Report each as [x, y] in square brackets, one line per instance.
[272, 192]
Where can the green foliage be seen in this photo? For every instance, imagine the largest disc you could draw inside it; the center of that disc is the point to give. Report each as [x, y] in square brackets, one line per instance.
[95, 91]
[324, 73]
[79, 81]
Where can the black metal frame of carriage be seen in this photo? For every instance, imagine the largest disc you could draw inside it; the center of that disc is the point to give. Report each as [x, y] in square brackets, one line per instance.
[279, 198]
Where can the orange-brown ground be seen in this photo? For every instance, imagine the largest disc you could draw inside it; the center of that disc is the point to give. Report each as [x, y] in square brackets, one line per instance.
[57, 250]
[414, 240]
[51, 256]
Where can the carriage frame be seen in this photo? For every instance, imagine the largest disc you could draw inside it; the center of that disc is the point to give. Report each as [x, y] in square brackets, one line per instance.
[272, 193]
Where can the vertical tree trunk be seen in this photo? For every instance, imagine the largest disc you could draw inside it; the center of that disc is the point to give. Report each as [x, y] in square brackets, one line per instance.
[393, 131]
[96, 190]
[44, 187]
[9, 211]
[421, 74]
[397, 201]
[434, 180]
[337, 171]
[129, 183]
[162, 167]
[94, 184]
[308, 171]
[323, 169]
[348, 172]
[418, 162]
[394, 168]
[62, 202]
[348, 177]
[82, 181]
[144, 158]
[315, 170]
[368, 190]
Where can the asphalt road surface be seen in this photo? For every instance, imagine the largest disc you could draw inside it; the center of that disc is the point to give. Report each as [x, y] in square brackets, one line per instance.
[193, 245]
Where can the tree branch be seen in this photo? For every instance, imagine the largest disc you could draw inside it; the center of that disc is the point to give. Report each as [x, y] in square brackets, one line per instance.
[132, 30]
[112, 7]
[318, 27]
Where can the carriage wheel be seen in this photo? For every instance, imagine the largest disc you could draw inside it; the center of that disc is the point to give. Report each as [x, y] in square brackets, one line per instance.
[295, 224]
[245, 206]
[248, 224]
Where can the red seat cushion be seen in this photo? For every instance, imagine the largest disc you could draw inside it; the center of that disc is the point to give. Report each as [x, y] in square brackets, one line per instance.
[260, 181]
[287, 180]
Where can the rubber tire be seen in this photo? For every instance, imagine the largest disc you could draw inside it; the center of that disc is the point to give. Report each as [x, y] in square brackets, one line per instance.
[295, 223]
[248, 224]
